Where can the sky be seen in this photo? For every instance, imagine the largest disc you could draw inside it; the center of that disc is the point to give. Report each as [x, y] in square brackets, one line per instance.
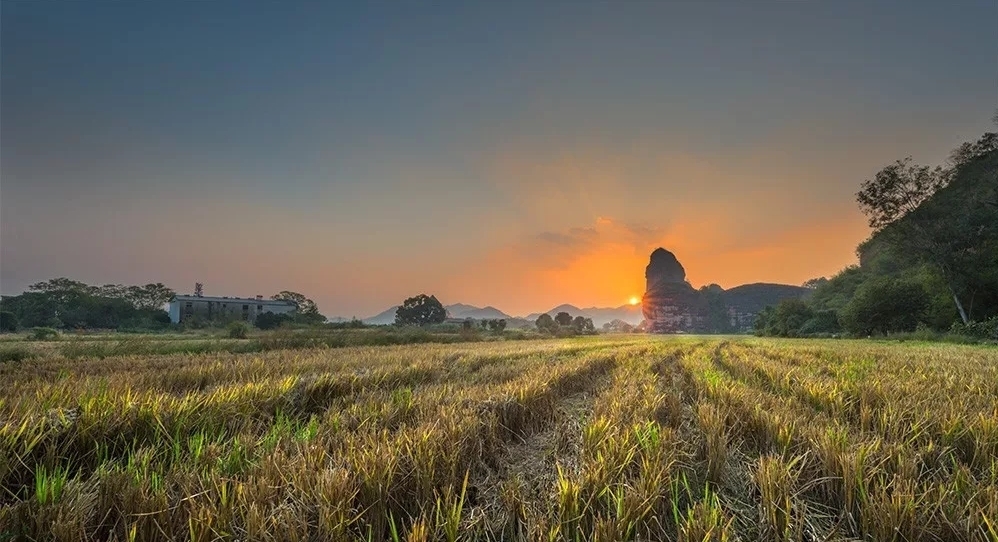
[519, 155]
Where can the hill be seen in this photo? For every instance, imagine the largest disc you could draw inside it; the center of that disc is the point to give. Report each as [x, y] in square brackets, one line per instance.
[460, 310]
[752, 298]
[382, 318]
[932, 262]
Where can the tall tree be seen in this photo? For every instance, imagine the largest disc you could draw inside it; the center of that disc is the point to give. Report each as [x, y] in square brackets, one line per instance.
[898, 190]
[303, 305]
[896, 202]
[420, 310]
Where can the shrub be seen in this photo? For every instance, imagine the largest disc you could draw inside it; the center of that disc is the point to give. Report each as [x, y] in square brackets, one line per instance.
[884, 305]
[44, 334]
[985, 329]
[238, 330]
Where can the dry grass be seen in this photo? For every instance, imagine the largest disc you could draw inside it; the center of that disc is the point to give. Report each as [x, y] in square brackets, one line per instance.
[596, 439]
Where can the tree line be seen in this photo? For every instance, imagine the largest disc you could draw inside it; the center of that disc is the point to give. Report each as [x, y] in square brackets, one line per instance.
[931, 262]
[564, 324]
[62, 303]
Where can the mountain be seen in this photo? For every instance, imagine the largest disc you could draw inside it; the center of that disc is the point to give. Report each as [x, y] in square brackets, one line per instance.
[672, 305]
[457, 310]
[599, 315]
[460, 310]
[385, 317]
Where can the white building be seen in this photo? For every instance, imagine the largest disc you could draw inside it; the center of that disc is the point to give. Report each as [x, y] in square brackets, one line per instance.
[225, 308]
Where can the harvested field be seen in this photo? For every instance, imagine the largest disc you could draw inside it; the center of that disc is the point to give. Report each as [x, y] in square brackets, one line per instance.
[609, 438]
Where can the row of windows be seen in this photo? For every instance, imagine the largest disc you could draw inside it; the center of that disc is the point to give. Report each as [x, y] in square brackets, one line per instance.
[190, 306]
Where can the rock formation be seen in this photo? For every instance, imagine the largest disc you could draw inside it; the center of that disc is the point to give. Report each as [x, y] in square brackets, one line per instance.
[672, 305]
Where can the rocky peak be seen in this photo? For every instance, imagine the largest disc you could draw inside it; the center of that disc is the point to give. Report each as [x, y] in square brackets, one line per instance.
[662, 270]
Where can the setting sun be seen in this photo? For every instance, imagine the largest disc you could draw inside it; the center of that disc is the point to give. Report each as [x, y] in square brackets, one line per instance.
[634, 300]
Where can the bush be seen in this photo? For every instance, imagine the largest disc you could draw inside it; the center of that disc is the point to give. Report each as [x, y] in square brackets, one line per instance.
[44, 334]
[238, 330]
[8, 321]
[986, 329]
[885, 305]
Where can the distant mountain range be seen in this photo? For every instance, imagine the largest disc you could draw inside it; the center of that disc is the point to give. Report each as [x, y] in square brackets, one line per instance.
[599, 315]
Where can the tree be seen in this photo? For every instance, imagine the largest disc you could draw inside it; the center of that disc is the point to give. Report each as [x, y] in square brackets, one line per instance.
[420, 310]
[8, 321]
[813, 284]
[306, 311]
[496, 325]
[928, 233]
[62, 289]
[150, 296]
[617, 326]
[67, 303]
[563, 319]
[968, 152]
[897, 190]
[885, 305]
[544, 322]
[583, 325]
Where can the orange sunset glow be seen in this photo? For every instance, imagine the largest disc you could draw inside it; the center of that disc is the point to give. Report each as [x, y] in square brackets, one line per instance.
[520, 173]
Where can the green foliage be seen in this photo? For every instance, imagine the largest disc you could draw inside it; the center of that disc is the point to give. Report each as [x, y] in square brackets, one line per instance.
[785, 319]
[353, 323]
[583, 326]
[496, 325]
[617, 326]
[821, 322]
[717, 309]
[934, 255]
[985, 329]
[563, 319]
[65, 303]
[955, 231]
[836, 292]
[306, 310]
[898, 190]
[238, 330]
[8, 322]
[420, 310]
[269, 320]
[885, 305]
[545, 323]
[44, 334]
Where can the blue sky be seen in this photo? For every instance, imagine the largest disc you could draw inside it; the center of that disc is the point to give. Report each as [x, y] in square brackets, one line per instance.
[510, 154]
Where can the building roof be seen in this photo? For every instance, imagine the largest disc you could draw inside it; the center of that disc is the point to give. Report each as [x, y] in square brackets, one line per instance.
[249, 300]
